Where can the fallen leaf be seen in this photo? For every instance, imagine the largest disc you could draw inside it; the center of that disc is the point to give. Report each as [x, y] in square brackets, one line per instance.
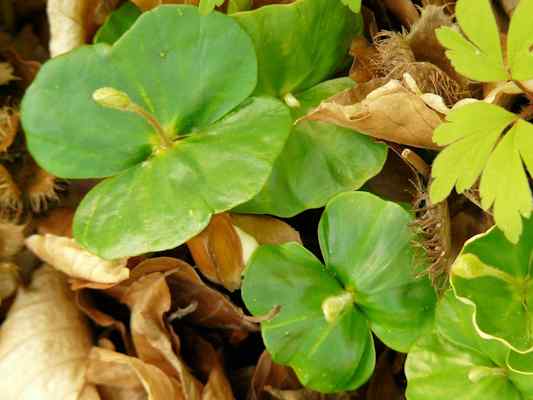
[149, 299]
[11, 239]
[268, 373]
[218, 253]
[67, 256]
[392, 112]
[109, 368]
[44, 343]
[57, 222]
[6, 73]
[9, 280]
[68, 24]
[265, 229]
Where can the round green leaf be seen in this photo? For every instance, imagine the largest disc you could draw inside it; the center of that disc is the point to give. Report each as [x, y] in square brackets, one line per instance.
[172, 62]
[118, 22]
[366, 241]
[494, 275]
[326, 355]
[318, 161]
[299, 44]
[169, 198]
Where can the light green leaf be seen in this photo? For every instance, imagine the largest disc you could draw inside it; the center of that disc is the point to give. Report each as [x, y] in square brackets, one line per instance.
[318, 161]
[472, 133]
[327, 312]
[520, 42]
[239, 5]
[355, 5]
[118, 22]
[494, 275]
[160, 197]
[299, 44]
[478, 56]
[206, 6]
[505, 186]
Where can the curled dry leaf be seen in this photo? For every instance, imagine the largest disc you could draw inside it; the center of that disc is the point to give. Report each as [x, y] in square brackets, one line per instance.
[67, 256]
[265, 229]
[44, 343]
[132, 378]
[9, 280]
[149, 299]
[11, 239]
[68, 24]
[269, 374]
[391, 112]
[6, 73]
[9, 124]
[218, 252]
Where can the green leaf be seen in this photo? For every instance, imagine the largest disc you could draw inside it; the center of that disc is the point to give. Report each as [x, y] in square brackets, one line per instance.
[355, 5]
[479, 55]
[187, 85]
[299, 44]
[206, 6]
[374, 258]
[454, 362]
[472, 133]
[179, 190]
[326, 356]
[239, 5]
[117, 23]
[318, 161]
[494, 275]
[520, 42]
[327, 312]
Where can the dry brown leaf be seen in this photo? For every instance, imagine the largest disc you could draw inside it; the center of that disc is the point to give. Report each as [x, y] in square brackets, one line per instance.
[57, 222]
[130, 376]
[6, 73]
[9, 280]
[265, 229]
[69, 257]
[209, 363]
[267, 373]
[149, 299]
[218, 253]
[44, 343]
[146, 5]
[68, 24]
[11, 239]
[9, 124]
[391, 112]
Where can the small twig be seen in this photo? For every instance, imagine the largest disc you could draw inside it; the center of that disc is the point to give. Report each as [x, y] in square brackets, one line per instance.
[416, 162]
[262, 318]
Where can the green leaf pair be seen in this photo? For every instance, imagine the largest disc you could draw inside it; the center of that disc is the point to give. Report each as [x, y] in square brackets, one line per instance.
[482, 346]
[174, 66]
[474, 133]
[327, 314]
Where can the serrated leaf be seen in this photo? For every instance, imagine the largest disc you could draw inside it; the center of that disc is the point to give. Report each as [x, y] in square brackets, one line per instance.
[478, 56]
[355, 5]
[520, 42]
[472, 133]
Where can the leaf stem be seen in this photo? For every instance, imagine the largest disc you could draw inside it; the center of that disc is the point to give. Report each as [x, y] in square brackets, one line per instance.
[165, 141]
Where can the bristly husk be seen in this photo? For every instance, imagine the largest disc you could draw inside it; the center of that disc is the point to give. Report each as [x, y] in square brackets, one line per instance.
[40, 189]
[433, 226]
[10, 197]
[9, 123]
